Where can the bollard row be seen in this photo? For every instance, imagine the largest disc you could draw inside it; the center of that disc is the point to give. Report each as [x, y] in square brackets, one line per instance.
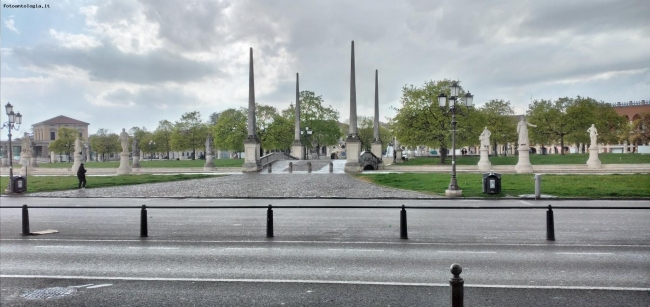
[403, 228]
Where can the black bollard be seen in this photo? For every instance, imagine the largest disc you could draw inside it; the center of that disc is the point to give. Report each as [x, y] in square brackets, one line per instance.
[331, 167]
[26, 231]
[403, 232]
[456, 284]
[550, 225]
[270, 167]
[290, 167]
[269, 222]
[308, 167]
[144, 229]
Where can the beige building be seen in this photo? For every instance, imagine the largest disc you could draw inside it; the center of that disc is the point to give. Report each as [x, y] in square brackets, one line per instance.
[47, 131]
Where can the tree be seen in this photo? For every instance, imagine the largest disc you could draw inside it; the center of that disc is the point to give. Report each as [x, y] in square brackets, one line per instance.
[64, 144]
[420, 121]
[231, 131]
[585, 111]
[163, 136]
[553, 123]
[640, 130]
[104, 142]
[279, 134]
[189, 133]
[214, 117]
[367, 135]
[140, 134]
[497, 115]
[323, 121]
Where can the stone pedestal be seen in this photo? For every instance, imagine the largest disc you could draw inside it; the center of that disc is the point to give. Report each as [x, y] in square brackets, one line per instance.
[524, 166]
[251, 156]
[398, 156]
[297, 150]
[484, 163]
[77, 163]
[209, 163]
[353, 150]
[375, 148]
[124, 168]
[593, 161]
[136, 162]
[33, 162]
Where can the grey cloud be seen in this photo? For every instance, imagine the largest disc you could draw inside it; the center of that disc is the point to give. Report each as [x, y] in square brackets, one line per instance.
[106, 63]
[152, 97]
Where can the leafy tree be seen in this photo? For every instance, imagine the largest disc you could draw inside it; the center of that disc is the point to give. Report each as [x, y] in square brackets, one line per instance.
[585, 111]
[367, 135]
[640, 130]
[189, 133]
[163, 136]
[420, 121]
[140, 134]
[553, 122]
[104, 142]
[323, 121]
[214, 117]
[498, 117]
[231, 131]
[279, 134]
[64, 144]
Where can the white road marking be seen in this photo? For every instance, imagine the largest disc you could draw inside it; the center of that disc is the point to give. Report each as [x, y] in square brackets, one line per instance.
[466, 252]
[99, 286]
[303, 281]
[245, 248]
[356, 250]
[82, 286]
[153, 247]
[58, 246]
[584, 253]
[526, 203]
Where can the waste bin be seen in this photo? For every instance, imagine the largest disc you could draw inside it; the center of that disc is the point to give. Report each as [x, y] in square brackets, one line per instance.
[19, 184]
[491, 183]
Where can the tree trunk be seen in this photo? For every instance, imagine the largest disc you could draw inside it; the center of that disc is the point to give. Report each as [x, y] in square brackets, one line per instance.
[562, 145]
[443, 155]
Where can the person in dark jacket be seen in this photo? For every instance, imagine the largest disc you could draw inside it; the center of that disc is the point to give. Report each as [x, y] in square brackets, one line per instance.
[81, 175]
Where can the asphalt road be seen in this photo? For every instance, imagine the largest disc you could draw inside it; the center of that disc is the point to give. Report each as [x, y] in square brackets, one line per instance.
[324, 256]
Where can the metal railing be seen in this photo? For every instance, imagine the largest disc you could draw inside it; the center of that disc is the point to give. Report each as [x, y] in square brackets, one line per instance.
[275, 156]
[144, 229]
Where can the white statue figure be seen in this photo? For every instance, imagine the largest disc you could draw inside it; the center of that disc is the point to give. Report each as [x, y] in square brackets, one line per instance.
[124, 140]
[522, 129]
[77, 146]
[593, 134]
[25, 146]
[485, 138]
[208, 145]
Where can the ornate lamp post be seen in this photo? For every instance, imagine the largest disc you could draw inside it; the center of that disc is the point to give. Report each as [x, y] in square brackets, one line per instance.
[307, 132]
[13, 120]
[453, 108]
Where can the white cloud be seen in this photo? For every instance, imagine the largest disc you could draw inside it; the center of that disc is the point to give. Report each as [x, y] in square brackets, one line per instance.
[9, 24]
[75, 41]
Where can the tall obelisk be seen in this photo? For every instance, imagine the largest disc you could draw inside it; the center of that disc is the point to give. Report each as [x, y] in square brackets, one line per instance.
[376, 146]
[353, 143]
[297, 149]
[252, 143]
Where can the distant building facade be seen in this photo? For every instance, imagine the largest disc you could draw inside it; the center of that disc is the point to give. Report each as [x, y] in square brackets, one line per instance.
[47, 131]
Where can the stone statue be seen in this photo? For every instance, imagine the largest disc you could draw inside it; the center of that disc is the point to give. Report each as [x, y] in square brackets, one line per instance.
[77, 146]
[135, 148]
[485, 138]
[208, 145]
[593, 134]
[26, 144]
[124, 141]
[522, 129]
[33, 146]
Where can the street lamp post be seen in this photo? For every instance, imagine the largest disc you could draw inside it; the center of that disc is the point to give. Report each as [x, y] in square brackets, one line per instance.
[13, 120]
[453, 109]
[151, 147]
[307, 132]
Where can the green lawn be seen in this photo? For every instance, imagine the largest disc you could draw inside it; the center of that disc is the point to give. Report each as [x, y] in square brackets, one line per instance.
[610, 158]
[151, 164]
[586, 186]
[61, 183]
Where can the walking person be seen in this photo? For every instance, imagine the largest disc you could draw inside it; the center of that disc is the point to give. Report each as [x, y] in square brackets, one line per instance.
[81, 175]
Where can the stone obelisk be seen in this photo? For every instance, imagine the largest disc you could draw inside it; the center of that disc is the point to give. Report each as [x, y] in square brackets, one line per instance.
[252, 143]
[297, 149]
[353, 143]
[376, 147]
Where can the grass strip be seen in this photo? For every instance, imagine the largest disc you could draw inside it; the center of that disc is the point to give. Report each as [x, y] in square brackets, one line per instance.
[62, 183]
[535, 159]
[149, 164]
[513, 185]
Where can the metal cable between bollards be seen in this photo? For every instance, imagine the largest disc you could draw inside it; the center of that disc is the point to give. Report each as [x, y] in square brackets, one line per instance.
[26, 231]
[456, 283]
[144, 227]
[403, 231]
[269, 222]
[550, 225]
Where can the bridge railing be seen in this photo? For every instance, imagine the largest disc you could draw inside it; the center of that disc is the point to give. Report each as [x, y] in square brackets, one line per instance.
[275, 156]
[144, 230]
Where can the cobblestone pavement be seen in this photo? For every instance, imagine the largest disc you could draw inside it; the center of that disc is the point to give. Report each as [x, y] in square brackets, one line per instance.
[250, 185]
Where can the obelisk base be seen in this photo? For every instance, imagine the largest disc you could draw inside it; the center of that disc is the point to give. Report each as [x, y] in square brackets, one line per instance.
[353, 150]
[375, 148]
[251, 156]
[297, 150]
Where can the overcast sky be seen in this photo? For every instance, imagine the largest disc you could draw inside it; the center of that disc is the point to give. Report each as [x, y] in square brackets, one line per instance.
[124, 63]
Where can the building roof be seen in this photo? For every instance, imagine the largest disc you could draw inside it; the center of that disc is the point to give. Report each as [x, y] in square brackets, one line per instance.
[60, 120]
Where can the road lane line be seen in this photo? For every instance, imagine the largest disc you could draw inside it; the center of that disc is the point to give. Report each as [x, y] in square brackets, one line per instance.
[355, 250]
[99, 286]
[567, 253]
[58, 246]
[466, 252]
[303, 281]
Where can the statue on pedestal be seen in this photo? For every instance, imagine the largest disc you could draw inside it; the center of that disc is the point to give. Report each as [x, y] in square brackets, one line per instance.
[77, 146]
[485, 138]
[593, 134]
[124, 140]
[134, 147]
[26, 144]
[208, 145]
[522, 129]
